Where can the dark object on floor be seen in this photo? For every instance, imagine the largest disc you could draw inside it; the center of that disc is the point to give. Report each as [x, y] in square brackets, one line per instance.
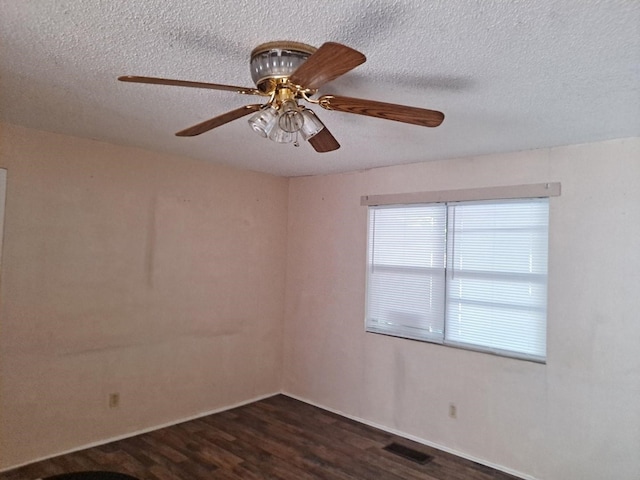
[91, 476]
[408, 453]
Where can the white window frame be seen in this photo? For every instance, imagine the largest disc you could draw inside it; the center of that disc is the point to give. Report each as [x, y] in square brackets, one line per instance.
[523, 192]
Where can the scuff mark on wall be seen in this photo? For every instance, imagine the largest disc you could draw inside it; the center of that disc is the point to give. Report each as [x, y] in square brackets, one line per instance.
[399, 386]
[151, 240]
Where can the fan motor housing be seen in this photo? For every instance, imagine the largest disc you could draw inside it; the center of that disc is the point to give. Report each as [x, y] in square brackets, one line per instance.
[273, 62]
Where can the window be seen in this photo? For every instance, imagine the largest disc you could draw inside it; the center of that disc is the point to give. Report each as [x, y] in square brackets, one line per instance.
[470, 274]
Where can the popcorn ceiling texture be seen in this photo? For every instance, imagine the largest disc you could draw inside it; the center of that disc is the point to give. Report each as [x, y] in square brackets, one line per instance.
[508, 75]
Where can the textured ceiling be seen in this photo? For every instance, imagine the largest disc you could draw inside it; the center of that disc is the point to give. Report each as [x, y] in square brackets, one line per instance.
[509, 75]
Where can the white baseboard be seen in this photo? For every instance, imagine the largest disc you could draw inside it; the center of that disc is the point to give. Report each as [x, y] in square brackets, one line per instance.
[393, 431]
[302, 399]
[139, 432]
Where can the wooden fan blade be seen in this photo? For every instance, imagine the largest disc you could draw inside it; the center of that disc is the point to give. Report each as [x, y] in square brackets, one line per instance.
[219, 120]
[328, 62]
[323, 141]
[388, 111]
[186, 83]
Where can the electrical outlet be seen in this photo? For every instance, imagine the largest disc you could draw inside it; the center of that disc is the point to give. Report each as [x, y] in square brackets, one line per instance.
[114, 400]
[453, 410]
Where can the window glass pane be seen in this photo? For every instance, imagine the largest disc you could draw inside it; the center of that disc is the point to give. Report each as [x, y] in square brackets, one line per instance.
[406, 259]
[497, 275]
[408, 236]
[499, 329]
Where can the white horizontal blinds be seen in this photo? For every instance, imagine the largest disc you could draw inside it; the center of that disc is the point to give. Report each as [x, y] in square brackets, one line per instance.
[497, 276]
[406, 260]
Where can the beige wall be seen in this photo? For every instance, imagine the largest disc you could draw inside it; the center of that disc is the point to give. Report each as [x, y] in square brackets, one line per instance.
[157, 277]
[163, 279]
[578, 417]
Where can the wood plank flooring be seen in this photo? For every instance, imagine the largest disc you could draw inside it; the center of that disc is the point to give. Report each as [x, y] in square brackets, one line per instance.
[276, 438]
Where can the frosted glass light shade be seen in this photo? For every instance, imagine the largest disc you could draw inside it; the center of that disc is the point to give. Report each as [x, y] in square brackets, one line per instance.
[311, 126]
[263, 121]
[291, 118]
[279, 135]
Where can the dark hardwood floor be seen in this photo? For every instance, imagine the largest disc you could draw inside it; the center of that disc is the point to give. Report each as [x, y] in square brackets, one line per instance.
[276, 438]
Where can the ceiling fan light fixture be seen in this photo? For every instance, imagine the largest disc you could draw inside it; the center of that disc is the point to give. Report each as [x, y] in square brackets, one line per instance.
[283, 123]
[262, 122]
[311, 125]
[279, 135]
[291, 118]
[274, 60]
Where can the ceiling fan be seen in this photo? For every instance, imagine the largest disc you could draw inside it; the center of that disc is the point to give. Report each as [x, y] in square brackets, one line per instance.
[287, 72]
